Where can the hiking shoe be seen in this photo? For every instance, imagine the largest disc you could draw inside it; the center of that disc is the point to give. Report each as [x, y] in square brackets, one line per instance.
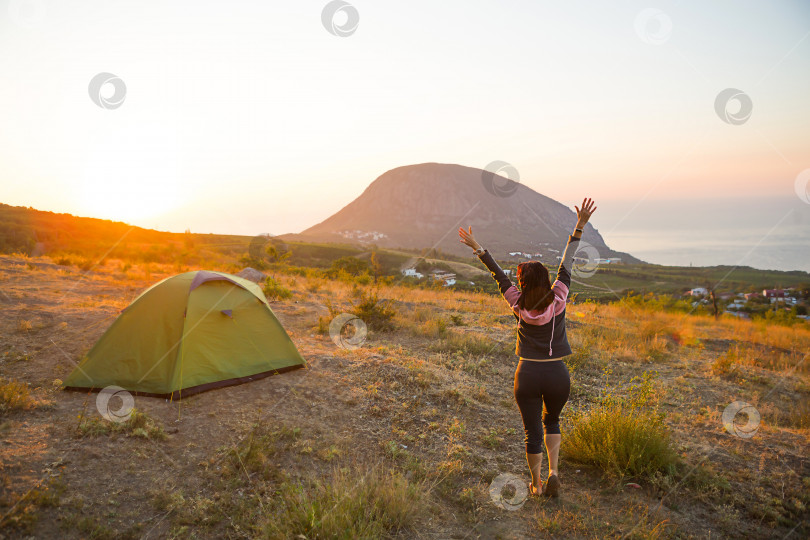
[552, 486]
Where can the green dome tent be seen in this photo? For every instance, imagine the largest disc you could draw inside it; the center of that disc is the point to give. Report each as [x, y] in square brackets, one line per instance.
[186, 334]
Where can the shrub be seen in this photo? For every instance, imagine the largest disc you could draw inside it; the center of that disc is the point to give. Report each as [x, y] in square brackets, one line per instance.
[253, 262]
[621, 441]
[725, 363]
[274, 290]
[24, 325]
[86, 264]
[14, 395]
[372, 311]
[314, 285]
[624, 434]
[256, 454]
[781, 317]
[137, 425]
[350, 265]
[323, 325]
[349, 503]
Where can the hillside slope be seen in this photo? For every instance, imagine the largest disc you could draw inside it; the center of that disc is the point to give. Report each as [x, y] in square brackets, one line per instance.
[421, 206]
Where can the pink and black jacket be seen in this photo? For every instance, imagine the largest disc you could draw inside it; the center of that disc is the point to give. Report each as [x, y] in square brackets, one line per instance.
[541, 334]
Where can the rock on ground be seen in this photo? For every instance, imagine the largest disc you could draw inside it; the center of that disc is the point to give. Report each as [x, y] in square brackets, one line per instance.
[252, 274]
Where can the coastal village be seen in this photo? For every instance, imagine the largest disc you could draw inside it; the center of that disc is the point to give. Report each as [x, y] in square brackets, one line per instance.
[743, 305]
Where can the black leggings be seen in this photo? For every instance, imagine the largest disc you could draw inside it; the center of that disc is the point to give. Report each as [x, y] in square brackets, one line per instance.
[536, 384]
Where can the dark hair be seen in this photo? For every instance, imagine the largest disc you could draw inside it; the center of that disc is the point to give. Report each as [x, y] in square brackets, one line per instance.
[535, 286]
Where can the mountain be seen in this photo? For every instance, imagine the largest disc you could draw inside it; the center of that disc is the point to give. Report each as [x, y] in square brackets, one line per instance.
[422, 206]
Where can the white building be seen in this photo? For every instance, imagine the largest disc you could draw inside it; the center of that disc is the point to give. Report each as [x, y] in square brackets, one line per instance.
[448, 278]
[411, 272]
[363, 236]
[699, 291]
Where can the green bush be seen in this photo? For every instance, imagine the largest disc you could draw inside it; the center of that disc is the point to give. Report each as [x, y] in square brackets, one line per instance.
[425, 267]
[253, 262]
[374, 313]
[781, 317]
[274, 290]
[621, 441]
[624, 434]
[350, 265]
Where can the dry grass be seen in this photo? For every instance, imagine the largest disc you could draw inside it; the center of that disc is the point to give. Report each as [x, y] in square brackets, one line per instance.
[139, 424]
[358, 502]
[15, 395]
[423, 414]
[24, 326]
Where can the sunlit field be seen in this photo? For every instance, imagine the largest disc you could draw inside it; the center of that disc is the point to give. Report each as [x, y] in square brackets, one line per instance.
[405, 431]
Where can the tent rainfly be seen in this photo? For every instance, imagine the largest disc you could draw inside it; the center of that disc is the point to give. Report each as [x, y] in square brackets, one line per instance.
[187, 334]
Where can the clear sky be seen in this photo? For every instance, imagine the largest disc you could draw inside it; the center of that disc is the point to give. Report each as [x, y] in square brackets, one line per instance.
[248, 117]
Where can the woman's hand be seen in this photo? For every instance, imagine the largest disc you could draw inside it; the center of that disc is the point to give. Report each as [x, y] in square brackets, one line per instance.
[468, 239]
[584, 214]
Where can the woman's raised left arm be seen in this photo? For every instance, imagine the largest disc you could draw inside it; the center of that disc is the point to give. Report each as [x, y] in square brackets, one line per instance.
[567, 260]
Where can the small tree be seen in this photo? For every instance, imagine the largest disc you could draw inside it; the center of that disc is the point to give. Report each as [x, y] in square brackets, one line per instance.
[376, 266]
[274, 254]
[710, 287]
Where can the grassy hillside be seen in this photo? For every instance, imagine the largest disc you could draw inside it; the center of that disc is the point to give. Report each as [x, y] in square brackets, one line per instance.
[30, 231]
[86, 241]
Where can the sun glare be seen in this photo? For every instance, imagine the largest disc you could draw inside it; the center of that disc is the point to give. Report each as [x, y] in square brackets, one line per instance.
[130, 182]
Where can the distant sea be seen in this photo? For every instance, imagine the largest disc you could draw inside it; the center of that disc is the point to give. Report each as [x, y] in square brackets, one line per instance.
[769, 234]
